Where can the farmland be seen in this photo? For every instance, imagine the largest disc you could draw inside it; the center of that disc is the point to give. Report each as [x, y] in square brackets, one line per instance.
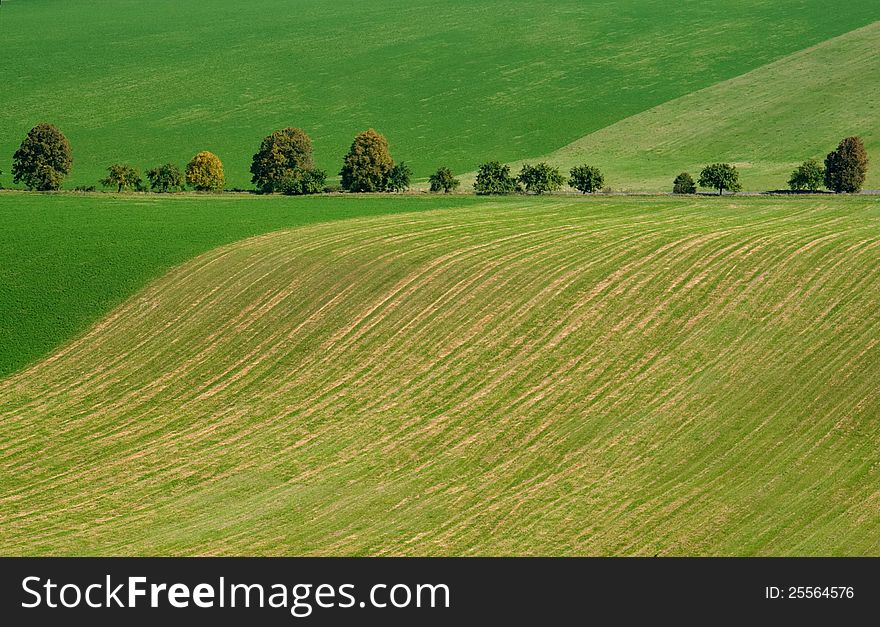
[518, 376]
[66, 260]
[449, 83]
[767, 121]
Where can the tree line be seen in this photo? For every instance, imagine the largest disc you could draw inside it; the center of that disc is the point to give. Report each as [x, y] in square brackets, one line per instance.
[284, 164]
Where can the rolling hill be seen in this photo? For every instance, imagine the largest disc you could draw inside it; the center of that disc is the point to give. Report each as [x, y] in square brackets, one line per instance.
[451, 83]
[767, 121]
[525, 376]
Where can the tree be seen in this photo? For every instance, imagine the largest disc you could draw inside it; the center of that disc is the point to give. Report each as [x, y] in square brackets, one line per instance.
[166, 178]
[43, 159]
[684, 184]
[443, 180]
[367, 164]
[301, 182]
[205, 172]
[123, 176]
[494, 178]
[586, 179]
[399, 178]
[810, 175]
[280, 154]
[846, 167]
[720, 176]
[541, 178]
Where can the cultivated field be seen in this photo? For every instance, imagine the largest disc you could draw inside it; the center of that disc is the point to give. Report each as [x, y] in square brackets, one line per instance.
[66, 260]
[520, 376]
[450, 83]
[767, 122]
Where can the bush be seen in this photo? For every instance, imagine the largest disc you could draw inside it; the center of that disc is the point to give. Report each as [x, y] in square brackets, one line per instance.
[85, 188]
[684, 184]
[205, 172]
[586, 179]
[302, 182]
[368, 163]
[810, 175]
[443, 180]
[847, 167]
[122, 176]
[541, 178]
[720, 176]
[494, 178]
[43, 159]
[280, 155]
[399, 178]
[166, 178]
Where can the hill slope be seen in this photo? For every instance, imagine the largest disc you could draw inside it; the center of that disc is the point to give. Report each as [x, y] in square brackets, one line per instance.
[627, 377]
[767, 121]
[450, 82]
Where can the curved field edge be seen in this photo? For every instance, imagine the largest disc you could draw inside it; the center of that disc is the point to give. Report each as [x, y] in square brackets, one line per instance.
[631, 377]
[767, 122]
[66, 260]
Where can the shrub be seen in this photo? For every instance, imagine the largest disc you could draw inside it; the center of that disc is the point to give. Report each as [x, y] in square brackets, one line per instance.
[541, 178]
[846, 167]
[810, 175]
[720, 176]
[122, 176]
[166, 178]
[586, 179]
[684, 184]
[43, 159]
[280, 154]
[494, 178]
[367, 164]
[302, 182]
[205, 172]
[85, 188]
[399, 178]
[443, 180]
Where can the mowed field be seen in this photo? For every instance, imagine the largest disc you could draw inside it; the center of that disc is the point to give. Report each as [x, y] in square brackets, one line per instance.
[451, 83]
[67, 259]
[521, 376]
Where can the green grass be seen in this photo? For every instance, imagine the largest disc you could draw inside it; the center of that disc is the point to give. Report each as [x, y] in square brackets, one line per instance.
[451, 83]
[767, 122]
[66, 260]
[521, 376]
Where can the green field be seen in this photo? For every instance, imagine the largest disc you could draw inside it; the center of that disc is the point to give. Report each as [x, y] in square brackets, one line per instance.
[521, 376]
[767, 122]
[66, 260]
[453, 82]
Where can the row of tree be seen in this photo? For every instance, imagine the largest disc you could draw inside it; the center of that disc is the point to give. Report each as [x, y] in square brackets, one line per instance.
[285, 164]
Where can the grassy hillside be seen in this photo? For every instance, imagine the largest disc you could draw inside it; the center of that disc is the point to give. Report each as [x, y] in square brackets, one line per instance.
[767, 121]
[450, 82]
[66, 260]
[515, 377]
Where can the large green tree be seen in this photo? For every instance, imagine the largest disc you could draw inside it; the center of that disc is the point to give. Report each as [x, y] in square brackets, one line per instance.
[494, 178]
[443, 180]
[720, 176]
[684, 184]
[280, 155]
[43, 159]
[368, 163]
[541, 178]
[810, 176]
[586, 179]
[399, 178]
[847, 167]
[122, 176]
[166, 178]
